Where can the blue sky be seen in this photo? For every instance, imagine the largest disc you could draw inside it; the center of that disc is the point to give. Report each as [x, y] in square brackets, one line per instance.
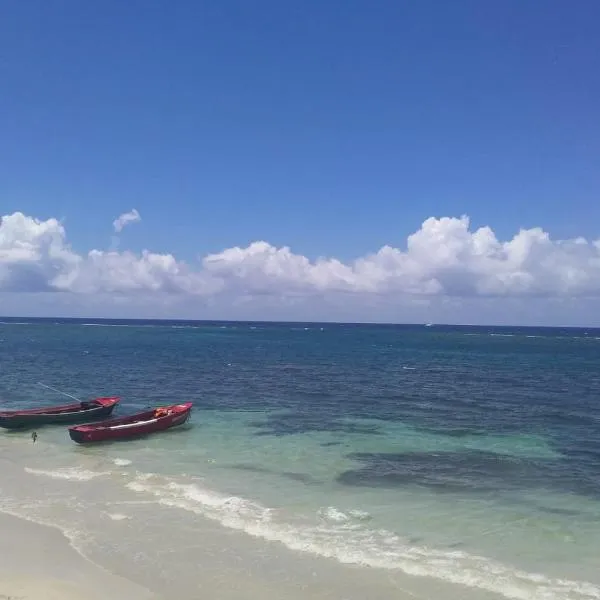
[334, 128]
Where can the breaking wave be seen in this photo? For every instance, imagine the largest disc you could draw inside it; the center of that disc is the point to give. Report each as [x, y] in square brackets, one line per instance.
[342, 535]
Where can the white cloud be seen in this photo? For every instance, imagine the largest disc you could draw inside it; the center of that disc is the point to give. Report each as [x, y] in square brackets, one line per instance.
[444, 264]
[133, 216]
[34, 255]
[443, 258]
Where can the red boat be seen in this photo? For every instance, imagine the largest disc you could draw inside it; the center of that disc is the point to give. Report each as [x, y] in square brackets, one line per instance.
[67, 414]
[149, 421]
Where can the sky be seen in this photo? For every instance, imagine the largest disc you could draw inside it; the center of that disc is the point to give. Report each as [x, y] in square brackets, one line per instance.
[357, 161]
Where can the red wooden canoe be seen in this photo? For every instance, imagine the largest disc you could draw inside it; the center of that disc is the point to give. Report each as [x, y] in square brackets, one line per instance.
[67, 414]
[149, 421]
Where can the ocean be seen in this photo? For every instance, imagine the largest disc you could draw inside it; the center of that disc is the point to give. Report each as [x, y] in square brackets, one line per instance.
[322, 460]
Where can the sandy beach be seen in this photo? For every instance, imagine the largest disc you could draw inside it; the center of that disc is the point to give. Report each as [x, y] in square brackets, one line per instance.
[38, 563]
[109, 542]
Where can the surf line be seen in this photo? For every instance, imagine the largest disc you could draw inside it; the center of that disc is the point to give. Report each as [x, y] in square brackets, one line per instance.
[454, 544]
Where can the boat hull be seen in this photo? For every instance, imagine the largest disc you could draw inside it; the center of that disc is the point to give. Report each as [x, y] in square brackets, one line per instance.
[95, 410]
[137, 425]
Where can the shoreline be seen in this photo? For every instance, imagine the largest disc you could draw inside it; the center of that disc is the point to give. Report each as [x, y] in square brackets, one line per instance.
[79, 526]
[39, 563]
[44, 563]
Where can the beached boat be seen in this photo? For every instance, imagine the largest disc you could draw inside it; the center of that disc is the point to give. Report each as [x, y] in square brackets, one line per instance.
[143, 423]
[68, 414]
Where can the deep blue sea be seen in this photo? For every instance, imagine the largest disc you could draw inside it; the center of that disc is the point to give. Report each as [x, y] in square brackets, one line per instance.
[467, 456]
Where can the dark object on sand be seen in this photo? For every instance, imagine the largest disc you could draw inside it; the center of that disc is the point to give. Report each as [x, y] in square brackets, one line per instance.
[34, 437]
[94, 410]
[143, 423]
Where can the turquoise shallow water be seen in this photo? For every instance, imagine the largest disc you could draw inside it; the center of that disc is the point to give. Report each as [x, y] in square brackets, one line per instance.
[454, 454]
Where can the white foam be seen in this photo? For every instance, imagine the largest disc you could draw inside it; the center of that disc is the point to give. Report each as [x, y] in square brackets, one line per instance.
[70, 473]
[361, 515]
[117, 516]
[348, 542]
[333, 514]
[121, 462]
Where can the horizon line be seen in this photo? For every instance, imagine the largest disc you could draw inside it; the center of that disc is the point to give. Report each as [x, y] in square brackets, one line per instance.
[294, 322]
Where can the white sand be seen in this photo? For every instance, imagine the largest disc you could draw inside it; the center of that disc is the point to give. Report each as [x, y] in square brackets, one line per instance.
[209, 562]
[38, 563]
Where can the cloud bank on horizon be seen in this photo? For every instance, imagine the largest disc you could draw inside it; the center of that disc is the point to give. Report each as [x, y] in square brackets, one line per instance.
[444, 261]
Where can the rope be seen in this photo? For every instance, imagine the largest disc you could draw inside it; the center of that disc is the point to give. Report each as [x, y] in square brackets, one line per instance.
[58, 391]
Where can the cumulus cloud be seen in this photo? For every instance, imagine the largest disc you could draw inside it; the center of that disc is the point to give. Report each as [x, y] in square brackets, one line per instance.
[34, 255]
[445, 258]
[133, 216]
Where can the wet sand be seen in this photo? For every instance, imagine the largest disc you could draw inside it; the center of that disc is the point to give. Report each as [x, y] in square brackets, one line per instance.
[38, 563]
[111, 542]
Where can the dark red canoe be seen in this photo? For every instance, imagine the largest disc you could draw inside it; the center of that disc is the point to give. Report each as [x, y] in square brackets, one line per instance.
[67, 414]
[143, 423]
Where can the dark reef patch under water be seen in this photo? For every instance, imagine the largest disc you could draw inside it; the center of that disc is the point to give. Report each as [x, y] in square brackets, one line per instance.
[451, 381]
[470, 471]
[290, 423]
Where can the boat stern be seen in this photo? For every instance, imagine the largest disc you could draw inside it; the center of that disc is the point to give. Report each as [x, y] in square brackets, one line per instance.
[108, 401]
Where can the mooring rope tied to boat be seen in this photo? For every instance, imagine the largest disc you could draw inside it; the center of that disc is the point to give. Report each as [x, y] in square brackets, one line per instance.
[58, 391]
